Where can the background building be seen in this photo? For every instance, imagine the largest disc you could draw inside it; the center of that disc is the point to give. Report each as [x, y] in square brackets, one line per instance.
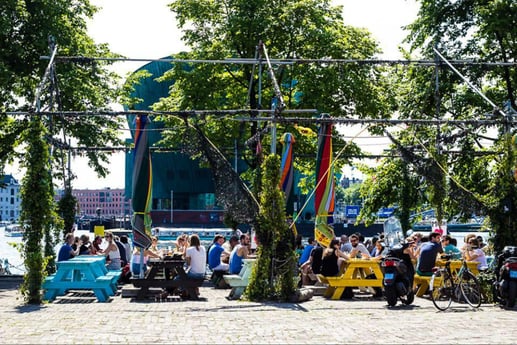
[10, 201]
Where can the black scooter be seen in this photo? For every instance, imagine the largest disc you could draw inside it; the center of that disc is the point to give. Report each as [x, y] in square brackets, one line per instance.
[398, 280]
[505, 288]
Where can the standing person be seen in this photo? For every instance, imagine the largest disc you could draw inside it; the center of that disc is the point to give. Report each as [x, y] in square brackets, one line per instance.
[112, 251]
[428, 253]
[239, 253]
[195, 257]
[215, 253]
[66, 251]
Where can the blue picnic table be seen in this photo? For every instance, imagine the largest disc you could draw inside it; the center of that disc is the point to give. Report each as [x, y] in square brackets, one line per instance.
[83, 272]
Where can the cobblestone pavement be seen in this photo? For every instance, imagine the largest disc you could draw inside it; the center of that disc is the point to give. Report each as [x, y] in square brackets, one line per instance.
[80, 319]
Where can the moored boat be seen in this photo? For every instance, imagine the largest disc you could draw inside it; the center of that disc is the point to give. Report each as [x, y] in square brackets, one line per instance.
[170, 234]
[13, 230]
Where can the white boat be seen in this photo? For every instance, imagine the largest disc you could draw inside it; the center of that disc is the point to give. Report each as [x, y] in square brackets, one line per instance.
[169, 234]
[13, 230]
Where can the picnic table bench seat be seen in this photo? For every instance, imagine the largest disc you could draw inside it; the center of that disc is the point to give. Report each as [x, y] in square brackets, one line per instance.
[239, 282]
[87, 272]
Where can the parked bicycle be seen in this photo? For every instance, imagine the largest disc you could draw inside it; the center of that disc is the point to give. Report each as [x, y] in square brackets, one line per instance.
[461, 287]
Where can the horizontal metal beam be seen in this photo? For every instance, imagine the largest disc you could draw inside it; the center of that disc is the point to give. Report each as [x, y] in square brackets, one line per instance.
[252, 61]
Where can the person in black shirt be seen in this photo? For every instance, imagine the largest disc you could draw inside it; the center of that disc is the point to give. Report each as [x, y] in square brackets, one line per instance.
[330, 266]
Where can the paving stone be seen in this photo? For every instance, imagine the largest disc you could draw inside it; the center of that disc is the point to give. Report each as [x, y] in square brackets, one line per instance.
[216, 320]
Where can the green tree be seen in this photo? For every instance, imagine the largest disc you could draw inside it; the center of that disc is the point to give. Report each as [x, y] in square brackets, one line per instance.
[28, 30]
[302, 29]
[479, 30]
[456, 172]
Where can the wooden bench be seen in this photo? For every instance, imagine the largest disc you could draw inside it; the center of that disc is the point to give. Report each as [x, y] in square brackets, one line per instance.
[421, 283]
[239, 282]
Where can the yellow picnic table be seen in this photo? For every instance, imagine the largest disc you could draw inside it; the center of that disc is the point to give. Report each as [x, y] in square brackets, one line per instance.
[422, 282]
[355, 275]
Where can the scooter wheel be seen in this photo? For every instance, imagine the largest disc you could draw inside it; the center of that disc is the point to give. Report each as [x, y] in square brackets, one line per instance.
[391, 295]
[410, 297]
[512, 292]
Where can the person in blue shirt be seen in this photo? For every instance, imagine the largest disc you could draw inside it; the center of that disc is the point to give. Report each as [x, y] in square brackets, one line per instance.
[450, 248]
[428, 253]
[66, 251]
[239, 253]
[214, 255]
[306, 251]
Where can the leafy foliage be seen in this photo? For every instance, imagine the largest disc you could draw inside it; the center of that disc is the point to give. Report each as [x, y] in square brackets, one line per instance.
[28, 30]
[273, 273]
[37, 216]
[303, 29]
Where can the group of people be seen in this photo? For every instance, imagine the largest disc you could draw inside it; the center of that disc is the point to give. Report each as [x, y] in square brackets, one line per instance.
[117, 249]
[422, 250]
[228, 259]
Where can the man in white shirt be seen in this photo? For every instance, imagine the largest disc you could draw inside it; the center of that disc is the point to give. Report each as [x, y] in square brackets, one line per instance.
[358, 249]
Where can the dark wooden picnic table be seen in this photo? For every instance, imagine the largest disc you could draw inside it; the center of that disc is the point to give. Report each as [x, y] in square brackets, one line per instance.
[166, 274]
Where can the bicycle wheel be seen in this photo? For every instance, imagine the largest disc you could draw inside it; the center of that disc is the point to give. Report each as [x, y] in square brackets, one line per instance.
[441, 290]
[470, 289]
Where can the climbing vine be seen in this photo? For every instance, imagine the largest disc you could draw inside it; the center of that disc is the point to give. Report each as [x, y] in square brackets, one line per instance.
[37, 211]
[273, 274]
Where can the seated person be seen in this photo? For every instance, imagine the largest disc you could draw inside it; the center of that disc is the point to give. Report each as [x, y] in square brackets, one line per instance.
[474, 253]
[330, 264]
[307, 251]
[112, 252]
[154, 246]
[195, 257]
[358, 249]
[313, 265]
[84, 249]
[450, 248]
[66, 251]
[216, 252]
[136, 260]
[181, 247]
[95, 248]
[379, 251]
[428, 253]
[122, 251]
[239, 253]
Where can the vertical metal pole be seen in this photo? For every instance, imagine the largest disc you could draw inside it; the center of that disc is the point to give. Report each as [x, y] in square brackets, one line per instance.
[236, 153]
[172, 206]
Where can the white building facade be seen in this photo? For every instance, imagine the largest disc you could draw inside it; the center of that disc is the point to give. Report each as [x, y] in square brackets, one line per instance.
[10, 201]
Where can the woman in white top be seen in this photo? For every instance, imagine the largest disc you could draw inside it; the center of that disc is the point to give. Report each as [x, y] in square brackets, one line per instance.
[474, 253]
[195, 257]
[112, 252]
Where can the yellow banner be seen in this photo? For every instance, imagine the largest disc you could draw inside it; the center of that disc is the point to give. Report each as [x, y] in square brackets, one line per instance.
[98, 230]
[323, 234]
